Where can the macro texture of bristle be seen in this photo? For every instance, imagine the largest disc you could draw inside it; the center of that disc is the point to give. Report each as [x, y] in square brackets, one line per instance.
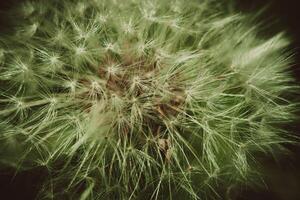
[132, 99]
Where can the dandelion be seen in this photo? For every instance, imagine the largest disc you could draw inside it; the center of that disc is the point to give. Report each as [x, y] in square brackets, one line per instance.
[131, 99]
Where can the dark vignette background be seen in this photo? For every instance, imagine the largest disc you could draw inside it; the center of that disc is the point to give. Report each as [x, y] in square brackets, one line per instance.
[283, 182]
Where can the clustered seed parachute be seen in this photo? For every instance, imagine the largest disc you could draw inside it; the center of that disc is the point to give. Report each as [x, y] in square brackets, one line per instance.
[129, 99]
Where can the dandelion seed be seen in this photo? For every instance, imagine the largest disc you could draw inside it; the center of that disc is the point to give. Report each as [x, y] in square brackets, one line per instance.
[149, 14]
[173, 23]
[1, 54]
[53, 101]
[103, 18]
[27, 9]
[80, 50]
[128, 27]
[112, 70]
[20, 104]
[71, 85]
[60, 36]
[81, 8]
[176, 8]
[30, 30]
[141, 48]
[23, 67]
[109, 46]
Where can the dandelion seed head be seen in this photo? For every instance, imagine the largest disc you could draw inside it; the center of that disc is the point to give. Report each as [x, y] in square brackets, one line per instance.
[157, 96]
